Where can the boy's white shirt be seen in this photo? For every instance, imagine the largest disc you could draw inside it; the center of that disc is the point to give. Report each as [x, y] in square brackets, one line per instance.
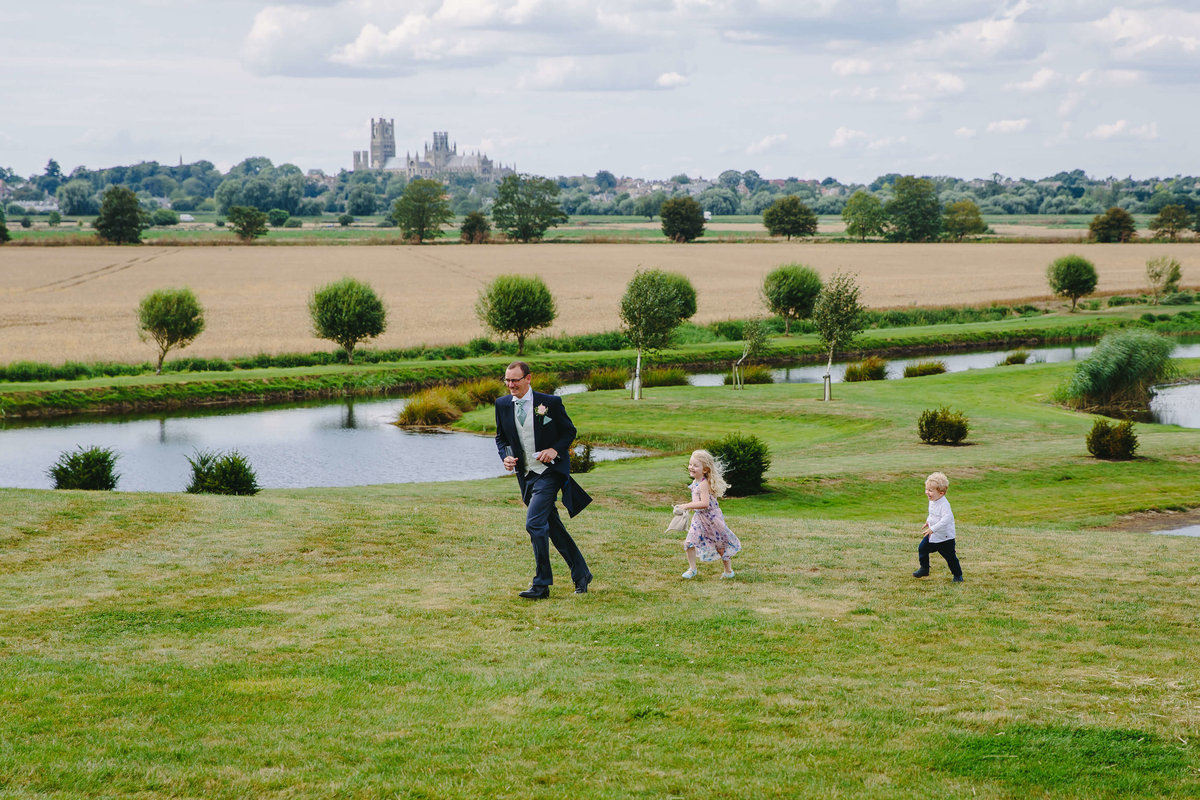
[940, 520]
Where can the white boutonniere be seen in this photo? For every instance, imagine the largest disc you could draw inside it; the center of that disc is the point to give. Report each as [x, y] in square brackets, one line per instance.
[541, 412]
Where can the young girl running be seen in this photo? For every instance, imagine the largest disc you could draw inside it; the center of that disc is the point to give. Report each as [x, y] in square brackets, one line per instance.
[708, 537]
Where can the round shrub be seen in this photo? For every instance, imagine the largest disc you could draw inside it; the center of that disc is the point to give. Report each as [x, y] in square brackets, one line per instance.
[871, 368]
[942, 426]
[664, 376]
[85, 468]
[545, 382]
[1112, 442]
[933, 367]
[345, 219]
[1018, 356]
[606, 378]
[293, 222]
[581, 457]
[221, 473]
[753, 373]
[745, 460]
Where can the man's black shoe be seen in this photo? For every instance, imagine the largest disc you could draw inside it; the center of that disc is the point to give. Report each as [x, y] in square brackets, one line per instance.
[535, 593]
[581, 587]
[921, 573]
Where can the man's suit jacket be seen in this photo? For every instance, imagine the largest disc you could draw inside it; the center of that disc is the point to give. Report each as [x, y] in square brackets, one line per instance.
[552, 429]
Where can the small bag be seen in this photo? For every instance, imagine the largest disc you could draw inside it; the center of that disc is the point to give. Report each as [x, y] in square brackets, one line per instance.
[679, 522]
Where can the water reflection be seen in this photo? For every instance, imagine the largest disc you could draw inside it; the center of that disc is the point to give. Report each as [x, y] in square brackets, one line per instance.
[343, 444]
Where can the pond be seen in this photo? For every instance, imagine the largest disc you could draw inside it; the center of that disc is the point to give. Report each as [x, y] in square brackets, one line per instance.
[354, 443]
[343, 444]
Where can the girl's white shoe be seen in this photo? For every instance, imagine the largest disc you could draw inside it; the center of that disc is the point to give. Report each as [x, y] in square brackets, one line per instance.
[727, 574]
[691, 573]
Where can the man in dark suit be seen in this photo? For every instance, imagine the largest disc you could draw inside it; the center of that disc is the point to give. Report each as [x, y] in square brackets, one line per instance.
[533, 436]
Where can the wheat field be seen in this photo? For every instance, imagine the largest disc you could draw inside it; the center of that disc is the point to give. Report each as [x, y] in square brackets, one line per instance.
[79, 303]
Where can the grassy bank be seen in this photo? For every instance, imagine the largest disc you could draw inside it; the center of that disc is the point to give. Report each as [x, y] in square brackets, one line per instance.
[367, 642]
[251, 386]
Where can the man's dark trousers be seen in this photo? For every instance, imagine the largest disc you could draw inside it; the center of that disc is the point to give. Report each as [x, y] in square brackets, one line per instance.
[545, 526]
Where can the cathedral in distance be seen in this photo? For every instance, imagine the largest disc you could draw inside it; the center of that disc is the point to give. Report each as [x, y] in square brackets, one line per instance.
[440, 160]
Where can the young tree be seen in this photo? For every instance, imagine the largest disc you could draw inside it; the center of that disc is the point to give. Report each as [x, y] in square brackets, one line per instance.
[682, 219]
[247, 222]
[1170, 222]
[347, 312]
[1164, 274]
[789, 217]
[526, 207]
[914, 211]
[5, 236]
[838, 316]
[654, 305]
[754, 346]
[864, 215]
[277, 217]
[121, 219]
[516, 305]
[962, 218]
[1071, 276]
[170, 318]
[1114, 225]
[475, 228]
[422, 210]
[790, 291]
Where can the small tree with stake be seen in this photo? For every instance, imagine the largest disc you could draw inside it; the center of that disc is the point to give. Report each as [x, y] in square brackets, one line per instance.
[347, 312]
[170, 318]
[838, 316]
[654, 304]
[516, 305]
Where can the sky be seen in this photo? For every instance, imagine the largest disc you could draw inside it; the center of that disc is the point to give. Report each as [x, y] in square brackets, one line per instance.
[849, 89]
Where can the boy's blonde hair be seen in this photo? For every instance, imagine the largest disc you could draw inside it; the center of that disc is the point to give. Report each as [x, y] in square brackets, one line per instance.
[712, 469]
[939, 481]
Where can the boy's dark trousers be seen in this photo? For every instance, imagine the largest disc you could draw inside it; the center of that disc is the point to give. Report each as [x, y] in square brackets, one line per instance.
[946, 549]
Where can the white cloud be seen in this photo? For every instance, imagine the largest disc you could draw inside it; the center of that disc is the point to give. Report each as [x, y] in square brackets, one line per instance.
[886, 143]
[852, 66]
[1044, 78]
[844, 136]
[670, 80]
[1008, 125]
[1122, 130]
[1109, 78]
[965, 133]
[766, 144]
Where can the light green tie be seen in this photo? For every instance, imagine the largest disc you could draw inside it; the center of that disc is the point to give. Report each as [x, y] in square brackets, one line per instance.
[521, 413]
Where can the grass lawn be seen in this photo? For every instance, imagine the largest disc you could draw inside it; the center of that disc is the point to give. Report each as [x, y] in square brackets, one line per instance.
[368, 642]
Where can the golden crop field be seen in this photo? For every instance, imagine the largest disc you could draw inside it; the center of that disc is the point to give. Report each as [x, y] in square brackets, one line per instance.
[79, 303]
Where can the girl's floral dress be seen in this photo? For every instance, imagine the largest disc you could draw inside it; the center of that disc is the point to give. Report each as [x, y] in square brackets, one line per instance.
[708, 530]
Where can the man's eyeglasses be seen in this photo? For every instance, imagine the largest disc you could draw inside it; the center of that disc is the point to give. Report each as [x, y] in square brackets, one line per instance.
[514, 381]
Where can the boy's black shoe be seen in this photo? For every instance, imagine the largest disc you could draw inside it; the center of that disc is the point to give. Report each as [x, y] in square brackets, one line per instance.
[958, 579]
[921, 573]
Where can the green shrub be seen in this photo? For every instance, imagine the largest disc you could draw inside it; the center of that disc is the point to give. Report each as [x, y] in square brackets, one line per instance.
[753, 373]
[484, 391]
[581, 457]
[1112, 442]
[871, 368]
[164, 217]
[606, 378]
[664, 376]
[931, 367]
[1179, 299]
[545, 382]
[429, 408]
[745, 460]
[942, 426]
[221, 473]
[293, 222]
[90, 468]
[1120, 372]
[345, 219]
[1018, 356]
[1122, 300]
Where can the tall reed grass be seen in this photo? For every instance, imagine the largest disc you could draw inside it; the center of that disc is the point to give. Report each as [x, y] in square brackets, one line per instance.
[1119, 374]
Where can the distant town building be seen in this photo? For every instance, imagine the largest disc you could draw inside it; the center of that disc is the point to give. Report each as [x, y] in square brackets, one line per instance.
[440, 161]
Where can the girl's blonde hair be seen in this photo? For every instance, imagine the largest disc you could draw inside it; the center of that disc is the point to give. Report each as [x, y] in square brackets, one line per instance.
[712, 470]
